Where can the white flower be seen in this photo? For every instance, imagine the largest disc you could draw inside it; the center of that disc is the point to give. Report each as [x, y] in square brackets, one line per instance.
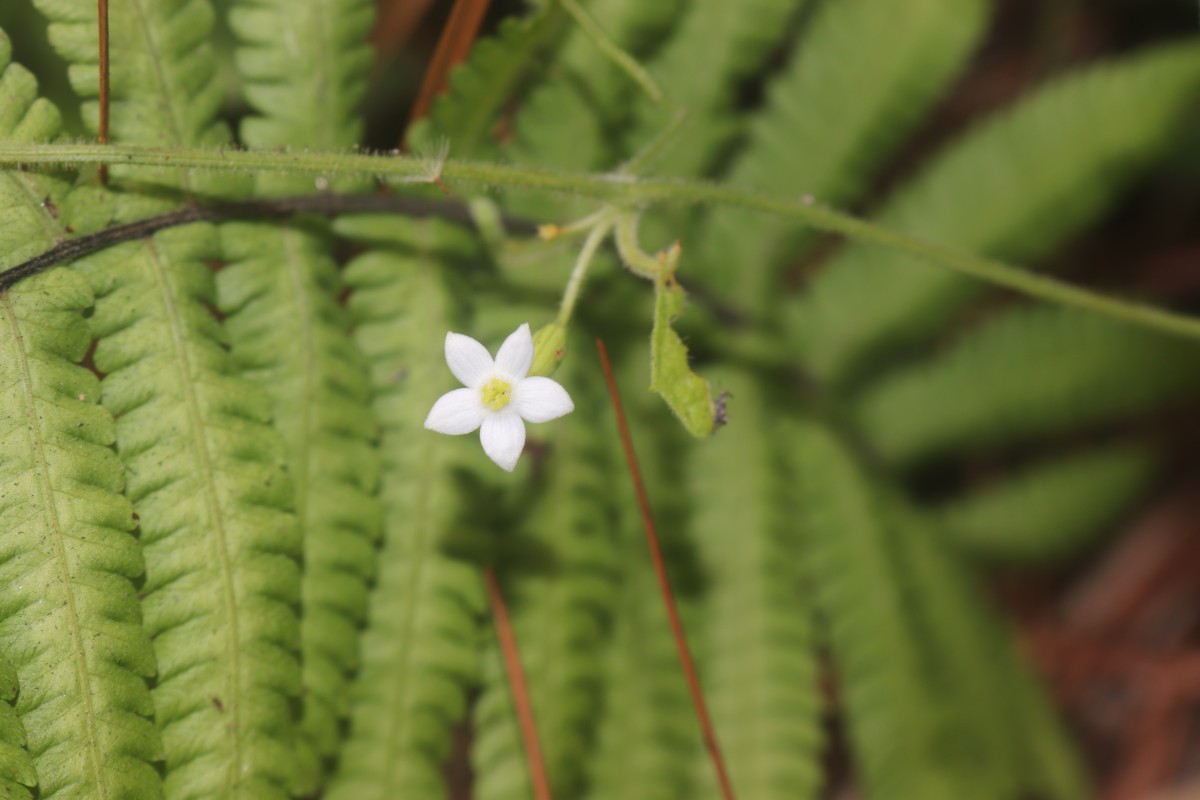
[498, 399]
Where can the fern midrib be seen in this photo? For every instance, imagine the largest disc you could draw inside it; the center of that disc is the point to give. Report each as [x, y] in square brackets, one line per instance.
[308, 367]
[50, 508]
[398, 719]
[163, 93]
[220, 537]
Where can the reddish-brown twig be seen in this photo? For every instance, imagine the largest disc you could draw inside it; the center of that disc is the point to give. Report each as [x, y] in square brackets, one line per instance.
[457, 37]
[102, 22]
[664, 582]
[516, 682]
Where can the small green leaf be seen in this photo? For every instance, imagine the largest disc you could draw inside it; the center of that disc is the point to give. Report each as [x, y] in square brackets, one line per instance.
[688, 395]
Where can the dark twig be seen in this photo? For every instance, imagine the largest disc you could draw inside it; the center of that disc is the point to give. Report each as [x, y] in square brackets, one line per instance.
[664, 583]
[259, 209]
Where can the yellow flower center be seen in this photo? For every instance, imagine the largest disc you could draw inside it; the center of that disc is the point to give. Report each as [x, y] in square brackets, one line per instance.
[497, 393]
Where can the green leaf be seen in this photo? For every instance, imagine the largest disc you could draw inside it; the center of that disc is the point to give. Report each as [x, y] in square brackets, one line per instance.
[755, 623]
[306, 68]
[648, 737]
[17, 773]
[206, 475]
[1035, 371]
[69, 618]
[687, 394]
[715, 48]
[893, 61]
[70, 625]
[290, 336]
[420, 648]
[1014, 188]
[206, 472]
[559, 573]
[849, 556]
[999, 726]
[938, 704]
[1053, 508]
[482, 86]
[164, 87]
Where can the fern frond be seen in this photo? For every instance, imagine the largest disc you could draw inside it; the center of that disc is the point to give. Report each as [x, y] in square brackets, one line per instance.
[559, 572]
[1051, 509]
[1014, 188]
[222, 547]
[69, 621]
[70, 625]
[290, 336]
[480, 87]
[205, 470]
[716, 46]
[849, 557]
[17, 773]
[893, 61]
[992, 706]
[305, 67]
[647, 738]
[755, 624]
[1035, 371]
[164, 88]
[926, 671]
[419, 651]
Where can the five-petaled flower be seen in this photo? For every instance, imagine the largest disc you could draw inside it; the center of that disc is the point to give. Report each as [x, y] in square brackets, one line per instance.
[498, 399]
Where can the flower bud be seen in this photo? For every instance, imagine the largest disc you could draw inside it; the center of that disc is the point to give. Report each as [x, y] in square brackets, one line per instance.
[548, 346]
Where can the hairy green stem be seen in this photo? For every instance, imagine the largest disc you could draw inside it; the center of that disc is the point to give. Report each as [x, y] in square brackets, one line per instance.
[586, 253]
[618, 189]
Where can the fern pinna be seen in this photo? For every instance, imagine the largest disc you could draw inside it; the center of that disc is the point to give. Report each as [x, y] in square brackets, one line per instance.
[234, 564]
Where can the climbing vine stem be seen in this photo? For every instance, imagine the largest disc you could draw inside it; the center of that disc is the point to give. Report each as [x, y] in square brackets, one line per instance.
[620, 189]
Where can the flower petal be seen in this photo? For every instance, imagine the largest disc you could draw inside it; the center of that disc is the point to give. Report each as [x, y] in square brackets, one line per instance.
[540, 399]
[468, 360]
[503, 437]
[516, 354]
[456, 412]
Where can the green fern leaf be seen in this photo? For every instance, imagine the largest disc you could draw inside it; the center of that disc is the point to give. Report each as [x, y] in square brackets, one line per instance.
[206, 472]
[481, 87]
[850, 560]
[289, 334]
[17, 773]
[755, 630]
[70, 625]
[1053, 508]
[1013, 188]
[420, 646]
[69, 622]
[647, 737]
[305, 70]
[716, 46]
[894, 61]
[570, 119]
[222, 548]
[164, 88]
[1026, 374]
[926, 671]
[559, 573]
[972, 662]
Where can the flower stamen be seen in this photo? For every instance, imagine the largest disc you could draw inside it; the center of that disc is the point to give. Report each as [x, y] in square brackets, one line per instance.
[496, 393]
